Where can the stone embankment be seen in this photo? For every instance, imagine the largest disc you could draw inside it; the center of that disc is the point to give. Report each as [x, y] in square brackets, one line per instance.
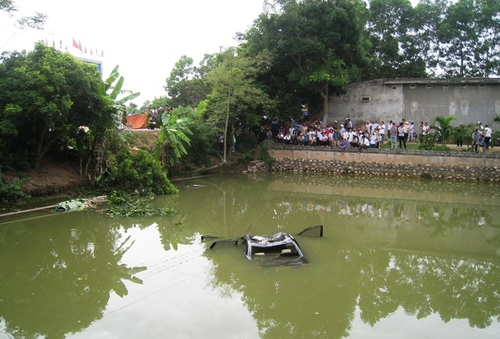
[456, 165]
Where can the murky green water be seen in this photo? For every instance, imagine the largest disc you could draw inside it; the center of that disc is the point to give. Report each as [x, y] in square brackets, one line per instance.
[399, 259]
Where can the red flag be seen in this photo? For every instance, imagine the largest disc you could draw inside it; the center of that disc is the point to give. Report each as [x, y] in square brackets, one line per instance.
[75, 44]
[91, 52]
[53, 43]
[102, 53]
[85, 50]
[79, 45]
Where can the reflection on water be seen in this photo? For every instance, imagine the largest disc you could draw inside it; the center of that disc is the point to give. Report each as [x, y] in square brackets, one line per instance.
[393, 249]
[56, 276]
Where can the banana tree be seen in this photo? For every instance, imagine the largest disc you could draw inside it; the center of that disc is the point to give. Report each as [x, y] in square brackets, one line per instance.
[112, 88]
[172, 137]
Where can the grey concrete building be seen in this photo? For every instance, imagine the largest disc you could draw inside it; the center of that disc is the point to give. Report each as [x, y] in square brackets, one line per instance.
[469, 99]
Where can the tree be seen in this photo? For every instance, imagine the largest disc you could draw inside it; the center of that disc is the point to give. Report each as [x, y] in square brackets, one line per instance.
[316, 46]
[236, 96]
[185, 85]
[427, 18]
[173, 133]
[112, 87]
[391, 23]
[36, 21]
[459, 36]
[46, 96]
[488, 54]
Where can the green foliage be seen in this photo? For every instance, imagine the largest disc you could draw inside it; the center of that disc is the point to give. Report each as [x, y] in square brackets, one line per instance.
[112, 88]
[46, 96]
[185, 85]
[264, 156]
[236, 96]
[161, 102]
[463, 132]
[495, 138]
[11, 192]
[429, 144]
[122, 204]
[203, 141]
[442, 127]
[392, 24]
[313, 47]
[173, 135]
[138, 173]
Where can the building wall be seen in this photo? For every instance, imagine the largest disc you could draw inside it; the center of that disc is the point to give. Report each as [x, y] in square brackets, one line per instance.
[470, 100]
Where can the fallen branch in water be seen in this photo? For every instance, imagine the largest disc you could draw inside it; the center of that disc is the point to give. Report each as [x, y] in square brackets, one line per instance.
[204, 169]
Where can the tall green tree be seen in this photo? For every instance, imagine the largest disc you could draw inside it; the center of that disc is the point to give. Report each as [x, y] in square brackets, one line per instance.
[488, 53]
[391, 24]
[459, 38]
[427, 18]
[185, 85]
[317, 47]
[45, 96]
[236, 96]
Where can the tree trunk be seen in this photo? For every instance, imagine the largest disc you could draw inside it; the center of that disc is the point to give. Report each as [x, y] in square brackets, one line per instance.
[324, 95]
[42, 147]
[225, 128]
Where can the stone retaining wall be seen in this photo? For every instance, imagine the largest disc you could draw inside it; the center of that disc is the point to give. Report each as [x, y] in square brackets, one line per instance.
[385, 162]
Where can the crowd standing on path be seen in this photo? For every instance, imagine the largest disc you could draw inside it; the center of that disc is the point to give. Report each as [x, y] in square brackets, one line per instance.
[369, 135]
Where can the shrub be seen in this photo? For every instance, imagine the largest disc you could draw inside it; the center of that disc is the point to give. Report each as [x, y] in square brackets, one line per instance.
[264, 156]
[139, 173]
[11, 192]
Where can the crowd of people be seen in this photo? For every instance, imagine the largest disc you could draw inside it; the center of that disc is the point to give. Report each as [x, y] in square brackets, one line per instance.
[154, 115]
[370, 135]
[345, 135]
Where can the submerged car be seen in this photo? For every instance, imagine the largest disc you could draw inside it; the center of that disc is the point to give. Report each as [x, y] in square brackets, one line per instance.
[280, 248]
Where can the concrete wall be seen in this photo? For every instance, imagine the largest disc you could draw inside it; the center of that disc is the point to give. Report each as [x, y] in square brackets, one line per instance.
[470, 100]
[381, 162]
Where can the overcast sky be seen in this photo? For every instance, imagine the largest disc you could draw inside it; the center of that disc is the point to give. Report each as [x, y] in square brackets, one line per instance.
[145, 38]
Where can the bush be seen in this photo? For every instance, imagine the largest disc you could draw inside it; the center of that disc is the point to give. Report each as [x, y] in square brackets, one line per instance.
[264, 156]
[139, 173]
[429, 144]
[11, 192]
[495, 138]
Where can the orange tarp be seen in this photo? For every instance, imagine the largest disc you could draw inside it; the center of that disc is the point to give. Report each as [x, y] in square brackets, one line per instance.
[137, 121]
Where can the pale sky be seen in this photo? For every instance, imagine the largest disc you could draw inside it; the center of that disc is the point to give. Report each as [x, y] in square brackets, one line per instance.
[145, 38]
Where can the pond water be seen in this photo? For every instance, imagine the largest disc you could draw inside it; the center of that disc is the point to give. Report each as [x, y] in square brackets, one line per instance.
[399, 258]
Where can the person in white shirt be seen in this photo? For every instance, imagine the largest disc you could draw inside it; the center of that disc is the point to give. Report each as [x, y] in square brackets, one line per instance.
[365, 142]
[353, 139]
[381, 131]
[487, 136]
[411, 131]
[426, 129]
